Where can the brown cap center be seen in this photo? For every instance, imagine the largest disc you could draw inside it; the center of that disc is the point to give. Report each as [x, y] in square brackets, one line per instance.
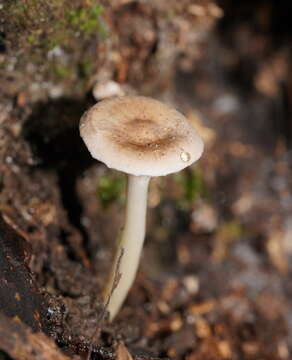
[144, 136]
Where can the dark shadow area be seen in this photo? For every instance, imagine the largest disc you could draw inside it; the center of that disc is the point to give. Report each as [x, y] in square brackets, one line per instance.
[256, 31]
[274, 19]
[249, 35]
[52, 131]
[2, 42]
[4, 356]
[262, 121]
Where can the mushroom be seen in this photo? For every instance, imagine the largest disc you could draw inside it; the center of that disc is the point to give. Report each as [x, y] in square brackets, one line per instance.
[143, 138]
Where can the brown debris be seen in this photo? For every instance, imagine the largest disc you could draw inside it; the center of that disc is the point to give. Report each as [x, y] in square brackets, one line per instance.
[20, 343]
[122, 352]
[215, 277]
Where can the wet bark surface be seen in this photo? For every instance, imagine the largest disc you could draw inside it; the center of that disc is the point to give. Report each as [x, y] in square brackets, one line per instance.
[19, 342]
[215, 276]
[19, 296]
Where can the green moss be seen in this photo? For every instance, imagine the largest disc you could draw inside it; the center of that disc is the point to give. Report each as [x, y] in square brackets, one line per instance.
[32, 28]
[170, 14]
[84, 68]
[193, 186]
[111, 189]
[61, 71]
[32, 38]
[231, 230]
[87, 19]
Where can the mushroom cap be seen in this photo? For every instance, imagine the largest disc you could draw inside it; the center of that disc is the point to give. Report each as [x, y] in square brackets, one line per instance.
[140, 136]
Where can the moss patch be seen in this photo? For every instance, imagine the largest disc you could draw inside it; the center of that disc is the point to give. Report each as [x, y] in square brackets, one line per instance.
[58, 37]
[111, 188]
[192, 185]
[51, 22]
[88, 20]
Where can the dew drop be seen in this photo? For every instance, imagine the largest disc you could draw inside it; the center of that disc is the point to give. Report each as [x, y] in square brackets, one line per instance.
[185, 156]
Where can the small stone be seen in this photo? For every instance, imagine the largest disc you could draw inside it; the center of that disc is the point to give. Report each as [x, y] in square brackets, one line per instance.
[107, 89]
[192, 284]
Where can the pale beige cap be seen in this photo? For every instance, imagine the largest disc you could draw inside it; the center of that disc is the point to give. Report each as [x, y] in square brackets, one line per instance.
[140, 136]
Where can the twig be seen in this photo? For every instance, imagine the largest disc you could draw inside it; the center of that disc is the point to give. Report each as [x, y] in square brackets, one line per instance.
[101, 316]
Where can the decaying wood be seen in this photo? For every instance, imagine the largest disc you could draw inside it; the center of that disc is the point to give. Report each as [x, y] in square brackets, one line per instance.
[19, 293]
[20, 343]
[123, 353]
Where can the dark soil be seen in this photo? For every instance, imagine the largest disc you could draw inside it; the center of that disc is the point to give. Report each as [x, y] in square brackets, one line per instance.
[215, 277]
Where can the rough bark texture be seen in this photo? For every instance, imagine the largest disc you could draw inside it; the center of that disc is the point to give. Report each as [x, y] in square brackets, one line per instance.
[19, 295]
[20, 343]
[215, 278]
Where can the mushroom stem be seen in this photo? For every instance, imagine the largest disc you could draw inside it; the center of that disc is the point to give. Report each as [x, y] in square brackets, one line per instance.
[130, 243]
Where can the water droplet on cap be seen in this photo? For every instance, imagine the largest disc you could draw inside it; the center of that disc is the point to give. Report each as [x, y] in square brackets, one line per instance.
[185, 156]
